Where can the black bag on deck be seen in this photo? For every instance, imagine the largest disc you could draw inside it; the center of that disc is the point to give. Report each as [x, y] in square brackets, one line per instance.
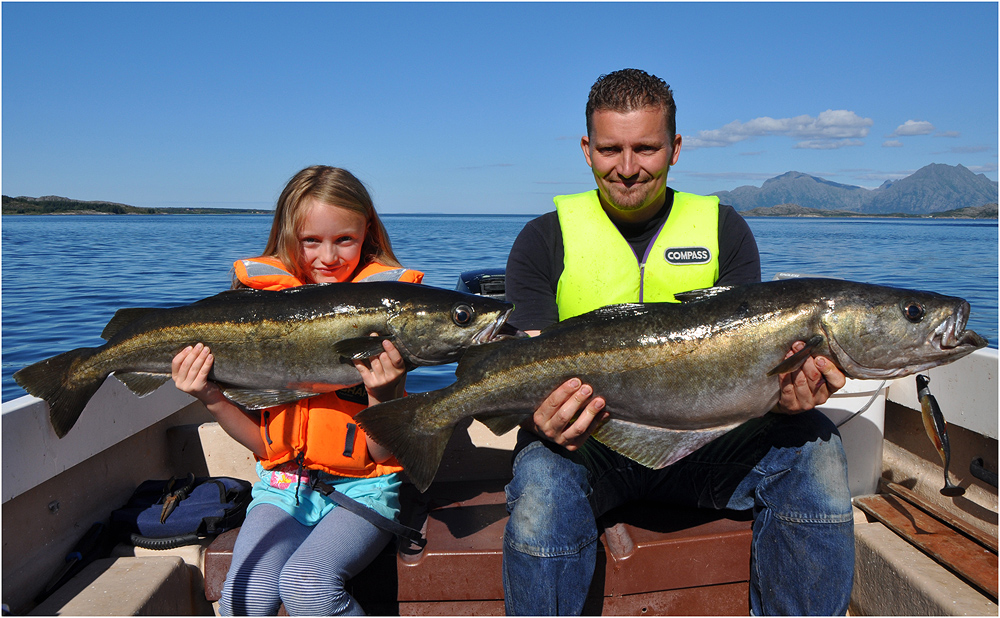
[175, 512]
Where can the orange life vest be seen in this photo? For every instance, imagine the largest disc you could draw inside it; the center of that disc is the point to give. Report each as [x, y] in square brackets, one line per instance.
[270, 273]
[319, 432]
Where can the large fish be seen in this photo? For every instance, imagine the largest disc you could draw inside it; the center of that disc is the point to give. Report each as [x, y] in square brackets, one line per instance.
[270, 347]
[675, 376]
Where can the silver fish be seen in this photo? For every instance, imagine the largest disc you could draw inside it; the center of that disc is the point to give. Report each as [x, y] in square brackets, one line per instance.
[676, 376]
[270, 347]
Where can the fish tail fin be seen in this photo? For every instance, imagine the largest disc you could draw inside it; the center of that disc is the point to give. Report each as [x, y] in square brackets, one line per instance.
[53, 380]
[418, 446]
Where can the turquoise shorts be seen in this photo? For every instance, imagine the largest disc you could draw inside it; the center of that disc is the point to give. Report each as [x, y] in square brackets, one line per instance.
[288, 488]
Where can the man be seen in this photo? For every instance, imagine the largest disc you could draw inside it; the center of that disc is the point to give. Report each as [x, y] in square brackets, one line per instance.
[613, 245]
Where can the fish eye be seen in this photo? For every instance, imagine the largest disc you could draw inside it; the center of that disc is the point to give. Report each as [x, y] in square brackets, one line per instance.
[913, 311]
[462, 315]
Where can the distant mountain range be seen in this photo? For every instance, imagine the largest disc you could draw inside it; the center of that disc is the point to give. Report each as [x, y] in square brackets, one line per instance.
[933, 188]
[986, 211]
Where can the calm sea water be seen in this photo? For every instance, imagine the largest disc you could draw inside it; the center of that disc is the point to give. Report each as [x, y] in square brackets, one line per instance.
[64, 277]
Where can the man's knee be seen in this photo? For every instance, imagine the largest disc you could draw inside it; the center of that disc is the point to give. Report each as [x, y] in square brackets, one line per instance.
[550, 513]
[812, 456]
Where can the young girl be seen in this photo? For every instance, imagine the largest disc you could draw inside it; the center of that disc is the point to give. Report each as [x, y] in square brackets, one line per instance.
[295, 546]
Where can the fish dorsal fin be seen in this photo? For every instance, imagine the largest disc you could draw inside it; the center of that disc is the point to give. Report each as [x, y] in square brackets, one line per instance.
[795, 361]
[686, 297]
[607, 313]
[124, 317]
[258, 399]
[142, 383]
[229, 294]
[655, 447]
[618, 311]
[359, 348]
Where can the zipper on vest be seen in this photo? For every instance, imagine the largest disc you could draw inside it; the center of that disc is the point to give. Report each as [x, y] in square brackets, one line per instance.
[642, 279]
[645, 258]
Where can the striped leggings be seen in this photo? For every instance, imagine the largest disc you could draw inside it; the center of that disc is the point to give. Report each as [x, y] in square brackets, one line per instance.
[278, 560]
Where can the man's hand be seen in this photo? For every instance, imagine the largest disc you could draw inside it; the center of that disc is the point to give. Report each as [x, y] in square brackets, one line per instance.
[810, 385]
[569, 415]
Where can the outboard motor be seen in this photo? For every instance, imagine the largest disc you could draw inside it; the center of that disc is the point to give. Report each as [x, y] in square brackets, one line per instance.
[489, 282]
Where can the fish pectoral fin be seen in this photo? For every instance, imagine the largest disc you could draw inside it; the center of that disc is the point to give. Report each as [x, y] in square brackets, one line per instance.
[655, 447]
[795, 361]
[500, 425]
[142, 383]
[258, 399]
[360, 347]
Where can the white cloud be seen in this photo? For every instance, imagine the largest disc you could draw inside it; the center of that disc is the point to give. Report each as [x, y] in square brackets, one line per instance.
[913, 127]
[830, 129]
[828, 144]
[892, 143]
[947, 134]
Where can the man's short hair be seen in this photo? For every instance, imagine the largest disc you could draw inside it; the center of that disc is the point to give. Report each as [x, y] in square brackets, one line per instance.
[628, 90]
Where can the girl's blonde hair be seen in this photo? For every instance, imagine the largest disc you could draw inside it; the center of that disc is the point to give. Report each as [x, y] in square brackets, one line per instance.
[336, 187]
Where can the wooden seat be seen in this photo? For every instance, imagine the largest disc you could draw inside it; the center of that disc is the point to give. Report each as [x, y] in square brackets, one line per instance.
[652, 559]
[218, 557]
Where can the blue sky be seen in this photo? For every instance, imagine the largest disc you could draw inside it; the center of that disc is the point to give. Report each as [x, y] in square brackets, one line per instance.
[474, 107]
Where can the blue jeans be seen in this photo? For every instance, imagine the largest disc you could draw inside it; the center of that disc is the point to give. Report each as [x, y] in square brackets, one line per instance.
[790, 470]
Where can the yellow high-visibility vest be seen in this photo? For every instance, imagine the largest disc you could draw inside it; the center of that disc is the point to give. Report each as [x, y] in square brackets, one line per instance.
[600, 268]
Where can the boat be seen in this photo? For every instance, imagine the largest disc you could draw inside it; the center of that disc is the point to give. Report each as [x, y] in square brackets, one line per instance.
[919, 552]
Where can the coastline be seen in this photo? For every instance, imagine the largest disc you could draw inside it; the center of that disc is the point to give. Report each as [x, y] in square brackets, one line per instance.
[744, 214]
[65, 206]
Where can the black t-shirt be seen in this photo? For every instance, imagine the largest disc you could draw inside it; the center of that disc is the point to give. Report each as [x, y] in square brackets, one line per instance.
[535, 262]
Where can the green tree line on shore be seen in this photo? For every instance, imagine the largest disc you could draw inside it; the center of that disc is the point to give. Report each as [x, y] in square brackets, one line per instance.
[61, 205]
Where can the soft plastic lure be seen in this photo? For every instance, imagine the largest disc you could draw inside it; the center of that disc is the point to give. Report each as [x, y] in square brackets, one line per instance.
[937, 430]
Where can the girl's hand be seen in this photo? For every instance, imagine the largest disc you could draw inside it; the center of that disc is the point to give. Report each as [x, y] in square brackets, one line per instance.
[384, 375]
[190, 369]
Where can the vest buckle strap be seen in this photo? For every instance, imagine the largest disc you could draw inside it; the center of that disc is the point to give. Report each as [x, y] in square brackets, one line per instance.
[376, 519]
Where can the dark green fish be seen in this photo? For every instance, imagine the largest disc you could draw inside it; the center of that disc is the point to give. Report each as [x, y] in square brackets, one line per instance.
[270, 347]
[937, 431]
[676, 376]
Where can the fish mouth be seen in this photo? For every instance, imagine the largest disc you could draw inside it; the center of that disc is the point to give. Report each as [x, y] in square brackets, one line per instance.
[952, 334]
[498, 330]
